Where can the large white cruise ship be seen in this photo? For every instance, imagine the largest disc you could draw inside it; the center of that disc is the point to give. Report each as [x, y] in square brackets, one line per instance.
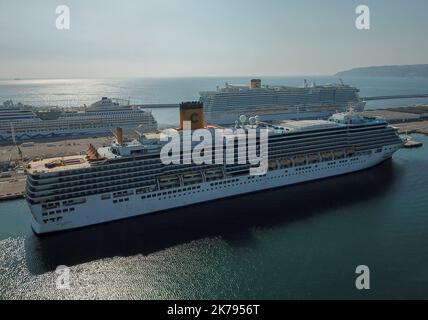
[128, 178]
[276, 103]
[27, 123]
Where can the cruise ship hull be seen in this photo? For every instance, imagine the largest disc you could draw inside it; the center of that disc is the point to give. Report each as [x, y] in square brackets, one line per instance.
[58, 134]
[28, 123]
[96, 211]
[277, 103]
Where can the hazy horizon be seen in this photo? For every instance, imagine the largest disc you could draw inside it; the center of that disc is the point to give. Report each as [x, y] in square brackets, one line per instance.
[202, 76]
[191, 38]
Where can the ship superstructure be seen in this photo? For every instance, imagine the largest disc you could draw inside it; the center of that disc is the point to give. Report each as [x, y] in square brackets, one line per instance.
[276, 103]
[28, 123]
[128, 178]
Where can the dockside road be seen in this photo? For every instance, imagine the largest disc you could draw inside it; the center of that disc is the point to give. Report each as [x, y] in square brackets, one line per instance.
[12, 177]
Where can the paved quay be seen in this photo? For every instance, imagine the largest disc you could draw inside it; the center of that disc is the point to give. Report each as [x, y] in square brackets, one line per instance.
[12, 182]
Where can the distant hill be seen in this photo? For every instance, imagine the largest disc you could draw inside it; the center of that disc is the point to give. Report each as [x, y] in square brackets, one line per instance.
[415, 70]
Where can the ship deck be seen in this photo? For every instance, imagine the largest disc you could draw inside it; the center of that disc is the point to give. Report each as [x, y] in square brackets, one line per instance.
[58, 164]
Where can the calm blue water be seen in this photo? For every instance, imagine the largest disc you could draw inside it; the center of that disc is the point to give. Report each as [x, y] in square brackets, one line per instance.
[76, 92]
[290, 243]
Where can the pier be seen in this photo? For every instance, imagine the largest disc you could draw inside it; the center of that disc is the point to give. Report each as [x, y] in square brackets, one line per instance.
[12, 182]
[420, 127]
[403, 96]
[406, 119]
[160, 106]
[412, 144]
[11, 189]
[393, 116]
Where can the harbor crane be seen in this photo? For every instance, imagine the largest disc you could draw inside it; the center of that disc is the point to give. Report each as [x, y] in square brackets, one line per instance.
[12, 130]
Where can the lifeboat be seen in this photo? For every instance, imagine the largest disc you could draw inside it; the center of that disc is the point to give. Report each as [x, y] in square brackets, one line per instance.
[326, 156]
[312, 158]
[146, 189]
[350, 152]
[273, 165]
[192, 177]
[169, 182]
[339, 154]
[213, 174]
[168, 178]
[286, 163]
[299, 160]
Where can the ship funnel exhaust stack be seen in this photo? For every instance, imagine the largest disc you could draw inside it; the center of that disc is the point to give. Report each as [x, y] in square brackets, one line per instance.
[256, 84]
[93, 154]
[119, 135]
[193, 112]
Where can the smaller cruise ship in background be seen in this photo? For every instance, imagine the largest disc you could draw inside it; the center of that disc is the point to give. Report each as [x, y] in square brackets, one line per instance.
[276, 103]
[28, 123]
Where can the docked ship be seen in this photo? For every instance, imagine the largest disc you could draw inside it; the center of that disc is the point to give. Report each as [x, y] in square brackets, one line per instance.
[28, 123]
[276, 103]
[129, 179]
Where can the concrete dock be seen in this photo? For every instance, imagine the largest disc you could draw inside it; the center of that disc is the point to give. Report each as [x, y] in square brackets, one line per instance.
[412, 144]
[12, 188]
[47, 149]
[12, 183]
[406, 119]
[420, 127]
[393, 116]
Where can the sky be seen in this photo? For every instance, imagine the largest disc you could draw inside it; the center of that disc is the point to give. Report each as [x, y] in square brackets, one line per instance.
[169, 38]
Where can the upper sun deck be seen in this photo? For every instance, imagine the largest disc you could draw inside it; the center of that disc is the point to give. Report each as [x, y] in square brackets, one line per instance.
[151, 144]
[353, 118]
[338, 120]
[53, 165]
[306, 125]
[243, 88]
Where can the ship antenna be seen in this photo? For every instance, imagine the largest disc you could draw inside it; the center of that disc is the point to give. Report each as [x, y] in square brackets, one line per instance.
[243, 120]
